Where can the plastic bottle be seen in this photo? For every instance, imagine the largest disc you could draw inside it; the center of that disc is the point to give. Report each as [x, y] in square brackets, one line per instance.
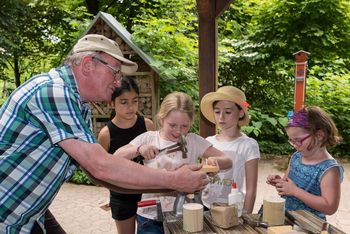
[236, 197]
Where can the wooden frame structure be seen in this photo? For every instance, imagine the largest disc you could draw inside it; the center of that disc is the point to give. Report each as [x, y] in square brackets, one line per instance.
[208, 12]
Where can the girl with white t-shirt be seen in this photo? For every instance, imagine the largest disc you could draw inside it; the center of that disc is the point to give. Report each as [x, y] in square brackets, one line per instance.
[228, 109]
[175, 118]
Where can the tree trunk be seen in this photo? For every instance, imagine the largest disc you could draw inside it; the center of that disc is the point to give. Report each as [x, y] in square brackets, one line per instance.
[16, 70]
[4, 89]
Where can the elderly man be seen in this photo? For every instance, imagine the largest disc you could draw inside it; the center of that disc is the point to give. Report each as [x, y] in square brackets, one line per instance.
[45, 134]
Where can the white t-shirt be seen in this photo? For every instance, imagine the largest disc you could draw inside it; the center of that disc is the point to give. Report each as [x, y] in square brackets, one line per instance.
[196, 146]
[240, 150]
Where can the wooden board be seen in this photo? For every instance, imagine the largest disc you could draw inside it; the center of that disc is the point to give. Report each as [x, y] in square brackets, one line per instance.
[210, 169]
[312, 222]
[252, 218]
[241, 228]
[208, 227]
[305, 218]
[177, 227]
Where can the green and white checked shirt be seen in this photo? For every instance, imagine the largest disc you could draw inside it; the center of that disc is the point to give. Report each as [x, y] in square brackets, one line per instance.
[39, 114]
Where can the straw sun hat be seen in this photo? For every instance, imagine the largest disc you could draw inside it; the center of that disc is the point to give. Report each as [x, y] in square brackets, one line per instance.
[225, 93]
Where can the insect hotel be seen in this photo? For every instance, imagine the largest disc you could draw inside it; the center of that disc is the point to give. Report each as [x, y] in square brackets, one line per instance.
[146, 77]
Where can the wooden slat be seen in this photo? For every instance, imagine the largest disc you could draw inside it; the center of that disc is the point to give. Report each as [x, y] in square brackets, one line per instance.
[305, 218]
[177, 227]
[252, 218]
[241, 228]
[312, 222]
[100, 111]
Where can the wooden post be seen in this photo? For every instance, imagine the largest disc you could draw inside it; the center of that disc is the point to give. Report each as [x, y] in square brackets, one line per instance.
[301, 58]
[208, 12]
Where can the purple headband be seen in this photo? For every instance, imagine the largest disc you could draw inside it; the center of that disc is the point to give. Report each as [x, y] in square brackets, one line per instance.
[299, 119]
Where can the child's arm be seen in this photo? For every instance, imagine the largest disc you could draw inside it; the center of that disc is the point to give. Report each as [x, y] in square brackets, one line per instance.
[327, 202]
[130, 151]
[251, 173]
[149, 125]
[104, 138]
[217, 157]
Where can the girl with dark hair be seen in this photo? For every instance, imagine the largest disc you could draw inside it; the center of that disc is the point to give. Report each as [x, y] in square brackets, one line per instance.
[123, 127]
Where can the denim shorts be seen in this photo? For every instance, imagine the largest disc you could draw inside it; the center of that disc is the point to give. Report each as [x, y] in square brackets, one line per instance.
[148, 226]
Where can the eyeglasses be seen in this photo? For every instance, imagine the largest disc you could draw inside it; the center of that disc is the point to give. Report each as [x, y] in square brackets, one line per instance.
[116, 72]
[298, 143]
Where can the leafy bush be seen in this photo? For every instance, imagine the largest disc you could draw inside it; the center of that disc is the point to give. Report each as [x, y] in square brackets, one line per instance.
[333, 95]
[79, 177]
[268, 130]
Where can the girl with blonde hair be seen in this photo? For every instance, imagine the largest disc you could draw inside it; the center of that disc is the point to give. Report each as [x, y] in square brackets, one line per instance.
[175, 118]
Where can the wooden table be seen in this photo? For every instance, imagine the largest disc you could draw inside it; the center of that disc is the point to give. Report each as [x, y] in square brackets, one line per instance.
[306, 219]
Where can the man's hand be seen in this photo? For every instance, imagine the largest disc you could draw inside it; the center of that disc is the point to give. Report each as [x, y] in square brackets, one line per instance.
[189, 179]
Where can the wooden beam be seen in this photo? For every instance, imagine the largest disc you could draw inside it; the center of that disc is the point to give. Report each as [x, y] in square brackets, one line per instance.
[208, 12]
[221, 6]
[207, 57]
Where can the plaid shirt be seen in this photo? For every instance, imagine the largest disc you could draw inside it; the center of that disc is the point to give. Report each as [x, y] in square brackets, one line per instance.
[39, 114]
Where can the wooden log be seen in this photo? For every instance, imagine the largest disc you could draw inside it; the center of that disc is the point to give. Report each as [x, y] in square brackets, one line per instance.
[273, 211]
[192, 217]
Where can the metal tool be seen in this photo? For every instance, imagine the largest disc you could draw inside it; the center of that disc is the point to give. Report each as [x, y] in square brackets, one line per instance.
[254, 222]
[180, 145]
[153, 203]
[180, 201]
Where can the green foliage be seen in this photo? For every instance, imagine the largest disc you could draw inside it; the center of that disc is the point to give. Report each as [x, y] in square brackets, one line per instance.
[275, 148]
[268, 130]
[36, 35]
[257, 57]
[333, 95]
[170, 36]
[79, 177]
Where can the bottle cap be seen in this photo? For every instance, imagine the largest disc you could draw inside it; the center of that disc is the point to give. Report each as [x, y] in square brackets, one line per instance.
[234, 185]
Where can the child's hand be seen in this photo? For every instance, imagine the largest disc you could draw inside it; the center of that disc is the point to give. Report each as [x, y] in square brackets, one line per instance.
[212, 161]
[285, 187]
[148, 151]
[271, 179]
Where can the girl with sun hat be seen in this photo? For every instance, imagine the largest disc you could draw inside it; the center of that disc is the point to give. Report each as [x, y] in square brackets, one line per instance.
[228, 109]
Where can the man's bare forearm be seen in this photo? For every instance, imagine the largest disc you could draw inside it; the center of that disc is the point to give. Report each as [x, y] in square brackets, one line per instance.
[125, 173]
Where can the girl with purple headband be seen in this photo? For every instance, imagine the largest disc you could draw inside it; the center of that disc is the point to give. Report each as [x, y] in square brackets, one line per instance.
[312, 180]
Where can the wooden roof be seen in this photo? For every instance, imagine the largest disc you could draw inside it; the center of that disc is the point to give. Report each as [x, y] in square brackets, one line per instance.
[122, 33]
